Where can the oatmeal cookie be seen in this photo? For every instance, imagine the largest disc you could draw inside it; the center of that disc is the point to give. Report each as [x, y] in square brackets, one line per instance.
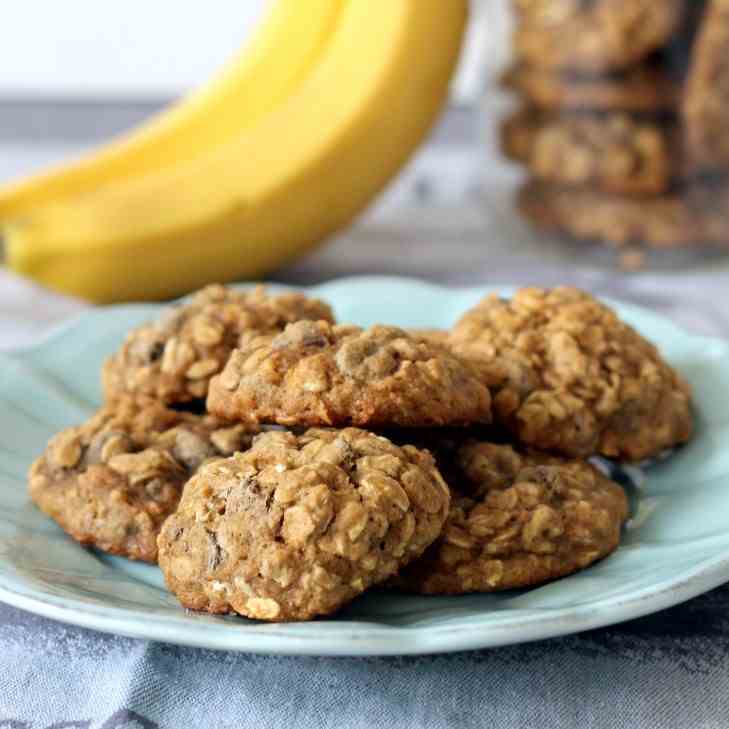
[318, 374]
[645, 89]
[695, 214]
[568, 376]
[436, 336]
[593, 35]
[706, 100]
[111, 482]
[297, 527]
[518, 520]
[614, 152]
[173, 358]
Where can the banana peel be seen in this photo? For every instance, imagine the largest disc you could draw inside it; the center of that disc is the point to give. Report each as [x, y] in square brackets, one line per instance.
[255, 199]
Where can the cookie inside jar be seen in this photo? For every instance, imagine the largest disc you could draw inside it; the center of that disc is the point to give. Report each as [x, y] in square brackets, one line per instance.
[619, 126]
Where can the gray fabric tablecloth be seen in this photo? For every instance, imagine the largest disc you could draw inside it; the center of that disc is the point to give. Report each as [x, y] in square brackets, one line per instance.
[667, 670]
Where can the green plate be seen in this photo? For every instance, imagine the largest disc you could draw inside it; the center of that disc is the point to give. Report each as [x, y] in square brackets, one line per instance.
[676, 544]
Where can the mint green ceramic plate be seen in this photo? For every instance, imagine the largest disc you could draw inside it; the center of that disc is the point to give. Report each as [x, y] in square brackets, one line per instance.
[676, 544]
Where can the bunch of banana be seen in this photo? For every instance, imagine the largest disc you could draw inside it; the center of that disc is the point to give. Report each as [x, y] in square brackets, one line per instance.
[291, 141]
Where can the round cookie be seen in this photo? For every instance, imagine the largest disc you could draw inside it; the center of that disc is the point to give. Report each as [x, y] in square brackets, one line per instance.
[706, 98]
[695, 215]
[111, 482]
[518, 521]
[593, 35]
[314, 373]
[645, 89]
[569, 377]
[614, 152]
[297, 527]
[174, 358]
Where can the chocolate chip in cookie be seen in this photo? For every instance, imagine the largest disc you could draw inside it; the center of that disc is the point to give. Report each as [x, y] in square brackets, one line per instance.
[314, 373]
[111, 482]
[173, 358]
[298, 526]
[518, 520]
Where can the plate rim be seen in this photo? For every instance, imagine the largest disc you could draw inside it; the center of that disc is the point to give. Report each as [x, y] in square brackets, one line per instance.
[366, 638]
[378, 641]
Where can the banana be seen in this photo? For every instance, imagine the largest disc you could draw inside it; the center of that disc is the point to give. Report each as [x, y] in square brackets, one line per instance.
[299, 173]
[285, 49]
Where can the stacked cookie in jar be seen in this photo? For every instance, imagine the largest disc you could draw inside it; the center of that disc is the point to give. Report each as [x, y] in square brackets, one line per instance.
[277, 464]
[621, 104]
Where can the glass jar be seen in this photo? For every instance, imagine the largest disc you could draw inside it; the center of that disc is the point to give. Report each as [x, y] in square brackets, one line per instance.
[610, 121]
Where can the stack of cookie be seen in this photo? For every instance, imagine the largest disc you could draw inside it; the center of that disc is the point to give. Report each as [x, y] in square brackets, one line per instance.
[618, 128]
[277, 464]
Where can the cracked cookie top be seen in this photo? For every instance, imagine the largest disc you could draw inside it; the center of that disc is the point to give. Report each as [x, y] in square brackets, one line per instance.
[298, 526]
[173, 358]
[112, 481]
[314, 373]
[518, 520]
[568, 376]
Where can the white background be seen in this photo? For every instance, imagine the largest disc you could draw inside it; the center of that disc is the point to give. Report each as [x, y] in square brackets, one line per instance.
[150, 48]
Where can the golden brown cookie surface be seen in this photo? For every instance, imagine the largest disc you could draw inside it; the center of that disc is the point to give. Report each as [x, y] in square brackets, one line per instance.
[314, 373]
[300, 525]
[593, 35]
[518, 521]
[706, 100]
[111, 482]
[174, 358]
[614, 152]
[694, 215]
[569, 377]
[437, 336]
